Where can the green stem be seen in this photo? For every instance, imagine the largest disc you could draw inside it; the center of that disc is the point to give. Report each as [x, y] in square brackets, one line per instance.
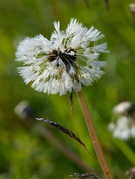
[94, 138]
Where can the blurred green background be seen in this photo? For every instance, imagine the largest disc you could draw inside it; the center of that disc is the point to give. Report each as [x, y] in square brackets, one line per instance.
[25, 152]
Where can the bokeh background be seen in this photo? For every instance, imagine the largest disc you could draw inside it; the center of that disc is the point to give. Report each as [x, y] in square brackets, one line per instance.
[26, 151]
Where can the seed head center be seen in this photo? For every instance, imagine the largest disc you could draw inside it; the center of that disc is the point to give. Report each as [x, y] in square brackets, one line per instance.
[68, 56]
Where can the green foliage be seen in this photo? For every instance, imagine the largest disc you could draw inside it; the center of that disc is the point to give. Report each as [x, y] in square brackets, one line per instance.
[24, 153]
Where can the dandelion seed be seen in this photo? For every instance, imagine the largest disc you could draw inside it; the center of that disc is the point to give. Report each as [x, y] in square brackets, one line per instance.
[65, 63]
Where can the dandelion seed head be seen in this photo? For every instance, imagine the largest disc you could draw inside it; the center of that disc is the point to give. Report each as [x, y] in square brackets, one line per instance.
[66, 62]
[124, 127]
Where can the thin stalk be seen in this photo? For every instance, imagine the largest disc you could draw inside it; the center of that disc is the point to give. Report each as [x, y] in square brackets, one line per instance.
[94, 138]
[42, 130]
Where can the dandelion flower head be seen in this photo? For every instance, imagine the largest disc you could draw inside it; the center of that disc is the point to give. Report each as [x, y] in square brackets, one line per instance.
[124, 127]
[65, 63]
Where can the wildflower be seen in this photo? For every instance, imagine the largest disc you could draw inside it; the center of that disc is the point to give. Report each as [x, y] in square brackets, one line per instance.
[65, 63]
[130, 173]
[124, 128]
[24, 110]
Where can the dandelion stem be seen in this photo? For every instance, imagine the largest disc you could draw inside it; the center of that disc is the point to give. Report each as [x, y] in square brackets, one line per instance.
[94, 138]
